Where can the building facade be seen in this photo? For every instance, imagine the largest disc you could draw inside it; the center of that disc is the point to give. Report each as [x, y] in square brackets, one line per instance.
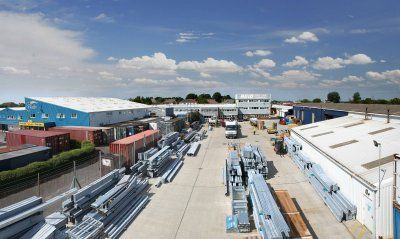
[43, 112]
[253, 105]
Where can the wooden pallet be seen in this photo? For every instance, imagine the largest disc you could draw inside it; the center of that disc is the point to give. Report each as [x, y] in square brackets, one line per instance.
[298, 228]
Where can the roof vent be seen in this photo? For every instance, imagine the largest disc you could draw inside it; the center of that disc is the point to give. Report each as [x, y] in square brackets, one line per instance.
[321, 134]
[311, 127]
[343, 144]
[380, 131]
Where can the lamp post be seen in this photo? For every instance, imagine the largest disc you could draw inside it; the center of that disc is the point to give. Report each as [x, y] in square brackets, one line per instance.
[379, 146]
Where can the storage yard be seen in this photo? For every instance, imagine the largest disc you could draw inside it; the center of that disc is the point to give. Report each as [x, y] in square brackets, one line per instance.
[274, 179]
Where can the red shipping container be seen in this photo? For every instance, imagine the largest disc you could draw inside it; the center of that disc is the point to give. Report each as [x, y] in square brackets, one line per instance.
[94, 135]
[129, 147]
[57, 141]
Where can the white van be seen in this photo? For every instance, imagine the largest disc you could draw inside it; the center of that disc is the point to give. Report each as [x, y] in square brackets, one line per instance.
[231, 129]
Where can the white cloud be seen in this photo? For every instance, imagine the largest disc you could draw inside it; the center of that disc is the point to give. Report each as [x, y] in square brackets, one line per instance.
[14, 71]
[265, 63]
[295, 75]
[290, 85]
[303, 38]
[210, 65]
[258, 53]
[184, 37]
[102, 17]
[259, 83]
[64, 68]
[352, 78]
[109, 76]
[111, 58]
[178, 82]
[205, 75]
[382, 61]
[391, 76]
[156, 64]
[359, 31]
[297, 61]
[328, 63]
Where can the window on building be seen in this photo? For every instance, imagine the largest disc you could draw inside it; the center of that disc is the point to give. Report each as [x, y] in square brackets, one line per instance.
[45, 116]
[32, 116]
[19, 117]
[74, 116]
[60, 116]
[11, 117]
[109, 113]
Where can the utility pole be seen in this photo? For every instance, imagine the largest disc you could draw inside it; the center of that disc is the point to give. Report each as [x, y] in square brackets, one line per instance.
[38, 185]
[75, 181]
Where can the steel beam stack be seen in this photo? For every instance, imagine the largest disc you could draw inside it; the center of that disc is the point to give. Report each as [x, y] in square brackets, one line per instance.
[233, 171]
[78, 204]
[254, 159]
[328, 190]
[182, 150]
[193, 149]
[113, 211]
[147, 154]
[171, 171]
[54, 226]
[189, 136]
[267, 217]
[17, 219]
[168, 139]
[159, 161]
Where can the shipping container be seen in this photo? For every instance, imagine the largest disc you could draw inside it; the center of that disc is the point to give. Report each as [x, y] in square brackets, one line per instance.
[19, 158]
[129, 147]
[15, 148]
[57, 141]
[129, 128]
[91, 134]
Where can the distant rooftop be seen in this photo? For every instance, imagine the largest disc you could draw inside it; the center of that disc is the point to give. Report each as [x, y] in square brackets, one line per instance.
[91, 104]
[372, 108]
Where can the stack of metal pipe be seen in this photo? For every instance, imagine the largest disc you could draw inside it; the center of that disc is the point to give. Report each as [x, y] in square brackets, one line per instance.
[254, 159]
[268, 219]
[54, 226]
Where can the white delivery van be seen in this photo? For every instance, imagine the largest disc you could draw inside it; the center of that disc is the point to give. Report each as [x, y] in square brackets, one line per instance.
[231, 129]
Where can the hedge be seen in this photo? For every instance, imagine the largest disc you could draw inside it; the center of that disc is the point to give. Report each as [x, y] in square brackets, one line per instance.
[56, 161]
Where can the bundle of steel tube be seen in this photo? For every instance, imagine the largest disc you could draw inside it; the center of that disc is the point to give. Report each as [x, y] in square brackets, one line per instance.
[78, 204]
[268, 219]
[193, 149]
[113, 211]
[189, 136]
[54, 226]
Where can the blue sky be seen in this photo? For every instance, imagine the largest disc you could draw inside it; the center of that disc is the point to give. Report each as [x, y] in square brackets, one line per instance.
[290, 49]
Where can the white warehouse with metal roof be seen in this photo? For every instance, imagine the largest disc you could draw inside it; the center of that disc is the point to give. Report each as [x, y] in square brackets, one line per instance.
[344, 149]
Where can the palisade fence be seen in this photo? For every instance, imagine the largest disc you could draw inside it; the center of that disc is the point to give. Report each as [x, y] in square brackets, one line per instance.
[53, 182]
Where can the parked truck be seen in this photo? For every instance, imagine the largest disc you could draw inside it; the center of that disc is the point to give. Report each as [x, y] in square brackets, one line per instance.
[231, 129]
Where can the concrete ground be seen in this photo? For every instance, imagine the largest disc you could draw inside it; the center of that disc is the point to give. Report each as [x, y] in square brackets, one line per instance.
[194, 204]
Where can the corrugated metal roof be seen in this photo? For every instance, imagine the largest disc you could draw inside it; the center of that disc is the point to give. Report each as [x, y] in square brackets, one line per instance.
[91, 104]
[21, 152]
[136, 137]
[372, 108]
[354, 156]
[37, 133]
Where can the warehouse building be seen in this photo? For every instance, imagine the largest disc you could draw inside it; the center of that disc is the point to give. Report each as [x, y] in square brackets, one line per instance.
[45, 112]
[345, 150]
[315, 112]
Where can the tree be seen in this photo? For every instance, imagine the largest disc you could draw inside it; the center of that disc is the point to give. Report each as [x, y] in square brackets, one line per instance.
[227, 97]
[217, 97]
[316, 100]
[333, 97]
[356, 97]
[395, 101]
[204, 96]
[368, 101]
[202, 100]
[191, 96]
[305, 101]
[193, 116]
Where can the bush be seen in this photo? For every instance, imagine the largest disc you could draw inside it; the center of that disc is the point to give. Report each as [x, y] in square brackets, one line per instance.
[59, 160]
[74, 144]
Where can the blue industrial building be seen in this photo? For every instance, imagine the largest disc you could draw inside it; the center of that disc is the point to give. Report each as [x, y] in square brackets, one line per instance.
[309, 114]
[44, 112]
